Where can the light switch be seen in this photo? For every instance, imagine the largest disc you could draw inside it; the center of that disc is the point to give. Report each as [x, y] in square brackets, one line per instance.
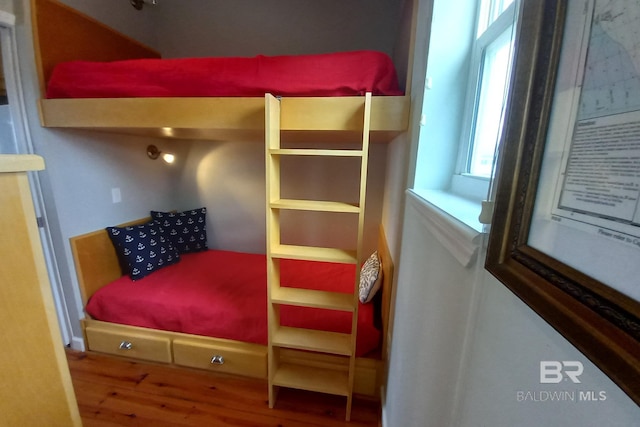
[116, 196]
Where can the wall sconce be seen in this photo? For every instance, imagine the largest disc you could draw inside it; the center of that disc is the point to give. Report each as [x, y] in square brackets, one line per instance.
[138, 4]
[153, 153]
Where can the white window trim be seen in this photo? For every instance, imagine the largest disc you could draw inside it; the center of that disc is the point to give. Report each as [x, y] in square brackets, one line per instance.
[461, 205]
[461, 238]
[504, 21]
[471, 187]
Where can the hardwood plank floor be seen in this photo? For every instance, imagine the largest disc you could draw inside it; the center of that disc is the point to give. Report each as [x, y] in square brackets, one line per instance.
[116, 392]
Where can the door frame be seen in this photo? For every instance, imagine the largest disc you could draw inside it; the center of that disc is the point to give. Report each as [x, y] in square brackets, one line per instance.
[24, 145]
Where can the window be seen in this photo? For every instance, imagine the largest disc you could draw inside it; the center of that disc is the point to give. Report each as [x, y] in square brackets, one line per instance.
[467, 70]
[488, 85]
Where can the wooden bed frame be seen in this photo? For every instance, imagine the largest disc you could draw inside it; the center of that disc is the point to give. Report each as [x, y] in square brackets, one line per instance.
[63, 34]
[97, 264]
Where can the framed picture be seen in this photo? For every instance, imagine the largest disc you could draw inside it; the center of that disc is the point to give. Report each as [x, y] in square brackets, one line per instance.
[565, 235]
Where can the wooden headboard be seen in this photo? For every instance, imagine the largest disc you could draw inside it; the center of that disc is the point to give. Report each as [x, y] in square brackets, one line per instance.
[96, 261]
[387, 287]
[83, 38]
[97, 264]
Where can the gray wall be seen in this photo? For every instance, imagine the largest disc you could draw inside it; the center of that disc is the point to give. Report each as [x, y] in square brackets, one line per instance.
[274, 27]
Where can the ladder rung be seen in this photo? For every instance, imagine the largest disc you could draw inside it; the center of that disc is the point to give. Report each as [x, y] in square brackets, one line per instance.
[312, 378]
[315, 205]
[312, 298]
[312, 253]
[313, 340]
[315, 152]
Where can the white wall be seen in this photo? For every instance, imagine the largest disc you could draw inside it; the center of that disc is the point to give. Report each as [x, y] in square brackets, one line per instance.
[463, 344]
[7, 139]
[432, 305]
[459, 324]
[509, 341]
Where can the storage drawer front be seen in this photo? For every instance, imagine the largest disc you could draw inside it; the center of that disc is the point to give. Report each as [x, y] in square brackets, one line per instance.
[139, 346]
[234, 360]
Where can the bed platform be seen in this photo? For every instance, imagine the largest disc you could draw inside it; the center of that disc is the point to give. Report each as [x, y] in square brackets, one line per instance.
[97, 265]
[62, 34]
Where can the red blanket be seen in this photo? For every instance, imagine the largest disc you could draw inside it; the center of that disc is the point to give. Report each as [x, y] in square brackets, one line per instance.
[223, 294]
[334, 74]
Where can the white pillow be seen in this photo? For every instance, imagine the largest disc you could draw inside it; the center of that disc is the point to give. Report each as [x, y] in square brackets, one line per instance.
[370, 278]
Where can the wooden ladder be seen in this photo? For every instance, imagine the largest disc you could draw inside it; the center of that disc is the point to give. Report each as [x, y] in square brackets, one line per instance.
[332, 379]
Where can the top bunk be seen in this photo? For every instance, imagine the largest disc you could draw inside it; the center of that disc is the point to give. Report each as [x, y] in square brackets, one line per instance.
[92, 77]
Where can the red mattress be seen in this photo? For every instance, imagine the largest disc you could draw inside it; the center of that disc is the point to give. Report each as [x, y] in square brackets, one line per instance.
[223, 294]
[334, 74]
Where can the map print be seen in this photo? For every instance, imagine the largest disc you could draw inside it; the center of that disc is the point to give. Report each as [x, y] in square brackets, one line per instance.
[612, 73]
[601, 183]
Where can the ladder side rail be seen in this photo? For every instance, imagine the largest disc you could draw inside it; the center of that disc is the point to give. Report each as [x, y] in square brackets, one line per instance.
[364, 163]
[272, 172]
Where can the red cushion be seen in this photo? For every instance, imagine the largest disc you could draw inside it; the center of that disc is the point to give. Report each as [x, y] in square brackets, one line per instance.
[333, 74]
[223, 294]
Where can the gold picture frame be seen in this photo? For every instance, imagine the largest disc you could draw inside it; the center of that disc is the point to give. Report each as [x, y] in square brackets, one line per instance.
[600, 321]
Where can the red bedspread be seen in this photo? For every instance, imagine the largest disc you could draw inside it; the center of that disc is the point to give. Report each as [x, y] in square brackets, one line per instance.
[334, 74]
[223, 294]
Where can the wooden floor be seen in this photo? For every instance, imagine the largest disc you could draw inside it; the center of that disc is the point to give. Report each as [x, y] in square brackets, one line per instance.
[117, 392]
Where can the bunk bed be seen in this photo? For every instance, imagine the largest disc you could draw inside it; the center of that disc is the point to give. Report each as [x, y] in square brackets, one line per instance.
[63, 35]
[98, 268]
[70, 47]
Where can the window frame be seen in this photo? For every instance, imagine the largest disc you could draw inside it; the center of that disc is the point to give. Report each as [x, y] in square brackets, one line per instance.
[506, 20]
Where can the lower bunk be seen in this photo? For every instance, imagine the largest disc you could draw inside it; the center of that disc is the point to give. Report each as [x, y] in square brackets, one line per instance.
[116, 326]
[216, 354]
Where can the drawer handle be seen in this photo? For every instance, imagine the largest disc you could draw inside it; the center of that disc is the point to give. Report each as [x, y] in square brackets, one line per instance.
[126, 345]
[217, 360]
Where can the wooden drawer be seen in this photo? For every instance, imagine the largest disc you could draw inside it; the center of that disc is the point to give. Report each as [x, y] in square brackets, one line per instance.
[243, 359]
[129, 344]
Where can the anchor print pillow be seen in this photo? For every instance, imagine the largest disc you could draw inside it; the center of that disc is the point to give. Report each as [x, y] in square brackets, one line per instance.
[187, 230]
[142, 249]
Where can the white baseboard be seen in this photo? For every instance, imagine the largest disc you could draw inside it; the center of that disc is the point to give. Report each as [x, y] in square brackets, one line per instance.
[383, 406]
[77, 343]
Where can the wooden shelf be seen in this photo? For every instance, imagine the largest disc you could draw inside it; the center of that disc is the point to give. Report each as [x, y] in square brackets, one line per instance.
[312, 378]
[315, 152]
[314, 254]
[311, 298]
[312, 340]
[315, 205]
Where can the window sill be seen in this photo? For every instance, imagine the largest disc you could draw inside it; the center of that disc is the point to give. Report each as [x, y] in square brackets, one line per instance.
[469, 187]
[452, 219]
[459, 208]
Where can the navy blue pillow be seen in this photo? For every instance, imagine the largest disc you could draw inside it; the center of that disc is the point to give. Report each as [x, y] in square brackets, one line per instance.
[143, 249]
[187, 230]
